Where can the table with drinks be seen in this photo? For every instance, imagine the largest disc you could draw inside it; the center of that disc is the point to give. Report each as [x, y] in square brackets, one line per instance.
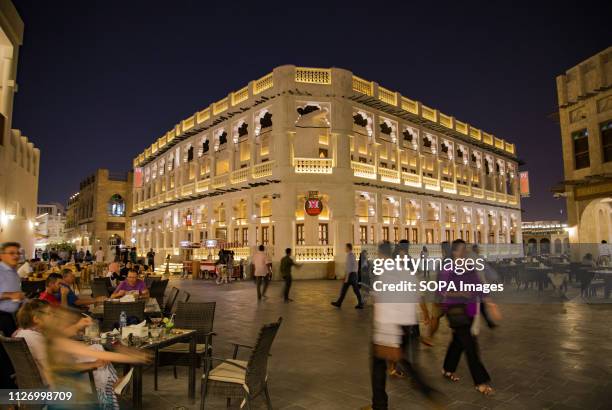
[152, 337]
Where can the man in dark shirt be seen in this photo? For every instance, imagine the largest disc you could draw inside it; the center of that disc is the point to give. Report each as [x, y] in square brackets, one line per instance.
[285, 267]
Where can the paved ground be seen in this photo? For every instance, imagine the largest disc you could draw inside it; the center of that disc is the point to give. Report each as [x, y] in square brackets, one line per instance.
[542, 356]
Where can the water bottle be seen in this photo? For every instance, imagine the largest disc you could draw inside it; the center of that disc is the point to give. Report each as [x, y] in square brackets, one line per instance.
[122, 320]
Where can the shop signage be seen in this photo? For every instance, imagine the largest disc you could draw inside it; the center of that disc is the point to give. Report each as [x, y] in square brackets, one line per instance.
[115, 226]
[313, 205]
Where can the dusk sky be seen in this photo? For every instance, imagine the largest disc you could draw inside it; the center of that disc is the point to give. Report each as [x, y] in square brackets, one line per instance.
[101, 80]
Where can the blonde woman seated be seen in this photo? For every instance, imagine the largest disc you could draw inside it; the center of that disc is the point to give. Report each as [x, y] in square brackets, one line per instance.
[61, 360]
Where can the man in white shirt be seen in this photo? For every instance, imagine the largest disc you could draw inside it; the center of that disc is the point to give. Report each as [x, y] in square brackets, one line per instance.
[25, 270]
[261, 263]
[100, 255]
[350, 279]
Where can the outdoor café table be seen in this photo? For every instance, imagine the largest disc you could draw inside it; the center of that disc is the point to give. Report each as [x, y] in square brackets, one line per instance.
[540, 272]
[177, 336]
[151, 308]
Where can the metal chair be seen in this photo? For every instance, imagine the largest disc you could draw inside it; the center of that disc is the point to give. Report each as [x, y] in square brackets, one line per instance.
[99, 288]
[112, 311]
[150, 279]
[199, 316]
[243, 380]
[170, 301]
[157, 290]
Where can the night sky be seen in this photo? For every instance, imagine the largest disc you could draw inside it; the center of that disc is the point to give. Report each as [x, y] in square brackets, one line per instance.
[101, 80]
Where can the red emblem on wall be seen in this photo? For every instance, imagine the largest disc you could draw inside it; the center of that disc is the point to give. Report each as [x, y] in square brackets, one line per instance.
[313, 206]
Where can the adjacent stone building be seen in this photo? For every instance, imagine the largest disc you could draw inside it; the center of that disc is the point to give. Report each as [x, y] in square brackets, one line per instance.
[19, 158]
[97, 215]
[545, 238]
[314, 158]
[585, 113]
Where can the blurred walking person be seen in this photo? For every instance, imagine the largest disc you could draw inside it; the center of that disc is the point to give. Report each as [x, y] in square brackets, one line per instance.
[262, 264]
[460, 309]
[350, 279]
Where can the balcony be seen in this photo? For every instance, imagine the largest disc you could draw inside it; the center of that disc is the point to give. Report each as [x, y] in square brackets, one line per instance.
[202, 185]
[170, 195]
[489, 195]
[263, 170]
[240, 175]
[362, 170]
[501, 197]
[187, 189]
[322, 253]
[411, 179]
[389, 175]
[313, 165]
[448, 186]
[431, 183]
[477, 192]
[220, 181]
[463, 190]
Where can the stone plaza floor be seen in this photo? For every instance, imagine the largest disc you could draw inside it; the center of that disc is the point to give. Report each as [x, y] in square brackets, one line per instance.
[542, 356]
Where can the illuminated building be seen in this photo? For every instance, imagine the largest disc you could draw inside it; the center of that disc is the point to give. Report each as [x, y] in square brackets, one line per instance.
[585, 114]
[49, 225]
[383, 166]
[19, 159]
[545, 238]
[97, 215]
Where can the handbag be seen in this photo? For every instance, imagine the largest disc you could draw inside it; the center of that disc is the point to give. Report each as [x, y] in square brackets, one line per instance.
[457, 316]
[392, 353]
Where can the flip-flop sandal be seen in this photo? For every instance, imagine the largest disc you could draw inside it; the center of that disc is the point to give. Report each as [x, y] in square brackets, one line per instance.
[450, 376]
[485, 389]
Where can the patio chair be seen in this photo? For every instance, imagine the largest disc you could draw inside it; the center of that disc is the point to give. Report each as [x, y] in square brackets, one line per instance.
[199, 316]
[112, 311]
[157, 290]
[99, 288]
[238, 379]
[169, 306]
[150, 279]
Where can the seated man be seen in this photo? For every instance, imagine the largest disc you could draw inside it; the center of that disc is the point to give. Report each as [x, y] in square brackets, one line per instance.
[113, 273]
[123, 272]
[74, 300]
[25, 270]
[53, 287]
[131, 284]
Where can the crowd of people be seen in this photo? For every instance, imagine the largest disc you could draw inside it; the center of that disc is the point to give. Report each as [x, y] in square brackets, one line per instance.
[50, 321]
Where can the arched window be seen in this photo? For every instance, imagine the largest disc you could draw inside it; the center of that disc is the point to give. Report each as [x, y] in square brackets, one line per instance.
[116, 206]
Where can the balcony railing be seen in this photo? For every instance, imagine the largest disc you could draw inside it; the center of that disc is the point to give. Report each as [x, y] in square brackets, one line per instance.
[263, 84]
[313, 165]
[411, 179]
[362, 86]
[389, 175]
[202, 185]
[448, 186]
[240, 175]
[501, 197]
[362, 170]
[321, 253]
[477, 192]
[313, 75]
[432, 182]
[263, 170]
[463, 190]
[489, 195]
[220, 181]
[187, 189]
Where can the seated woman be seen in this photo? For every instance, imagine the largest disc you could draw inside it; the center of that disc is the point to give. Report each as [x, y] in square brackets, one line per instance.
[129, 285]
[63, 361]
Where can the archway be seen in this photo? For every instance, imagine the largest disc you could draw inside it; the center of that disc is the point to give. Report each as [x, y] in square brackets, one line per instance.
[544, 246]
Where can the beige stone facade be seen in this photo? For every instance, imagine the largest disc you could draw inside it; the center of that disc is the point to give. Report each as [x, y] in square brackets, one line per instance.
[98, 214]
[545, 238]
[383, 166]
[19, 159]
[585, 114]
